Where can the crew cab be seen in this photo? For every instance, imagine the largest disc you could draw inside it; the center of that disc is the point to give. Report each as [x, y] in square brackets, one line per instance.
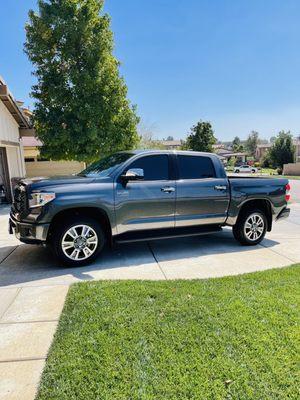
[144, 195]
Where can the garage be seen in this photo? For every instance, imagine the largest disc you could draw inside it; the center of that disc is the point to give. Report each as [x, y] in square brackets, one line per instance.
[13, 122]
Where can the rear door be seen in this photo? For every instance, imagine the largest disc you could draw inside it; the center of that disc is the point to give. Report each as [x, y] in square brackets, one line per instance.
[150, 203]
[201, 196]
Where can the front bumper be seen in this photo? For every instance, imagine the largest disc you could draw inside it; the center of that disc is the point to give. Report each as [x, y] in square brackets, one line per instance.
[28, 233]
[283, 214]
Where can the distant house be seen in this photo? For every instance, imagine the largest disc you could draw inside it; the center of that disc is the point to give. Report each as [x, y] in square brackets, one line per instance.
[13, 124]
[262, 149]
[225, 155]
[171, 144]
[219, 146]
[297, 144]
[31, 146]
[37, 166]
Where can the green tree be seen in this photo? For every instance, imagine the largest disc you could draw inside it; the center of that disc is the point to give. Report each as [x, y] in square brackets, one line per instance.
[201, 137]
[266, 161]
[81, 106]
[283, 150]
[232, 161]
[252, 142]
[237, 145]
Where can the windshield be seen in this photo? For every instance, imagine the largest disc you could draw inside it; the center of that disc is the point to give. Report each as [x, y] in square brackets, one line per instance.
[105, 166]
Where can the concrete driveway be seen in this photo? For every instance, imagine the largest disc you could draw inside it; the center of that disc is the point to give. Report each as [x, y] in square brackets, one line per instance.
[33, 287]
[198, 257]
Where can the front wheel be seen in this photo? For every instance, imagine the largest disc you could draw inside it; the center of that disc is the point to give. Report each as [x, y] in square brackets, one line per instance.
[250, 228]
[78, 241]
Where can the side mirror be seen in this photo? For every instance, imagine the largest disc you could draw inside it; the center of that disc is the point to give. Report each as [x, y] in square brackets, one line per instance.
[133, 174]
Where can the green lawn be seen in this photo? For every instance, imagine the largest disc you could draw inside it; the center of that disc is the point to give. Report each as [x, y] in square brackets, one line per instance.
[228, 338]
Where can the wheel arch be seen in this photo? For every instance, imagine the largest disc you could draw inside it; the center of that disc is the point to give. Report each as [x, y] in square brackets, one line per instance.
[258, 204]
[96, 213]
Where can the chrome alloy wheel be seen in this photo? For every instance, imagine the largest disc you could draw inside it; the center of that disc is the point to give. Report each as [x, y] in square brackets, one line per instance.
[79, 242]
[254, 227]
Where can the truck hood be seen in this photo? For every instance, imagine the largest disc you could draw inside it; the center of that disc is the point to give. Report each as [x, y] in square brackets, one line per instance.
[43, 182]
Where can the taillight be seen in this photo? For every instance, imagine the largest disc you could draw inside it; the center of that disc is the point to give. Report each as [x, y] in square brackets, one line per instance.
[287, 190]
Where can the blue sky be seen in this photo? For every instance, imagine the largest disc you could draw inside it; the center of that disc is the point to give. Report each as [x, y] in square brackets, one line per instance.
[235, 63]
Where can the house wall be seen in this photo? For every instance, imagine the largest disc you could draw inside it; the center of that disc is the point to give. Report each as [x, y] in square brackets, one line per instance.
[9, 139]
[15, 163]
[9, 129]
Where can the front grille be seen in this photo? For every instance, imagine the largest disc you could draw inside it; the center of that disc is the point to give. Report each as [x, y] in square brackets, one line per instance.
[20, 198]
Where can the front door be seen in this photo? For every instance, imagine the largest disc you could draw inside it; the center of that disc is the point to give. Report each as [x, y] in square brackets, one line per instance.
[202, 198]
[4, 175]
[149, 203]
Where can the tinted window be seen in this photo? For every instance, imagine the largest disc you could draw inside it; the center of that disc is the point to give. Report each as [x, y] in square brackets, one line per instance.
[155, 167]
[191, 167]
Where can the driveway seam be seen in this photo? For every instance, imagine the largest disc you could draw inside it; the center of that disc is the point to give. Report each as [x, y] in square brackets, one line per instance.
[28, 322]
[157, 262]
[36, 286]
[279, 254]
[6, 257]
[9, 360]
[11, 303]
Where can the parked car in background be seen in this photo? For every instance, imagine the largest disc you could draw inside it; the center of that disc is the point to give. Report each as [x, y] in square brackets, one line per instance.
[245, 168]
[144, 195]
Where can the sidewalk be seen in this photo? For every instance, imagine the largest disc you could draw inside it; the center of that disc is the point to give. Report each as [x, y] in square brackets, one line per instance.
[28, 320]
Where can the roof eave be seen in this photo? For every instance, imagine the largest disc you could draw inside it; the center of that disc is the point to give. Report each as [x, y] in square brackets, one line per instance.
[11, 105]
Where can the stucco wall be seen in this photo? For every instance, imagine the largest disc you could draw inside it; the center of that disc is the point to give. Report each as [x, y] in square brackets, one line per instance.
[291, 169]
[9, 129]
[14, 162]
[9, 139]
[53, 168]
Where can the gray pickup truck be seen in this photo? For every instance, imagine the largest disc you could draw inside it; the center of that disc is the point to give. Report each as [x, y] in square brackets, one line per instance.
[144, 195]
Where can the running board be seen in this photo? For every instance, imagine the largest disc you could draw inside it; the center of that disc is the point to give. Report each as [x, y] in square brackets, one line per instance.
[144, 236]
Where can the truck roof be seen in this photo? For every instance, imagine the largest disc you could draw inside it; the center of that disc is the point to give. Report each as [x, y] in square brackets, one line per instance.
[186, 152]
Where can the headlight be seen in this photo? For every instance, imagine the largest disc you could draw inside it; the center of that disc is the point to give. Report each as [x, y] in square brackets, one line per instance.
[40, 199]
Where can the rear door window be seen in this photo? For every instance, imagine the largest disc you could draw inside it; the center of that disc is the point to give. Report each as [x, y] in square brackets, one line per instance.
[195, 167]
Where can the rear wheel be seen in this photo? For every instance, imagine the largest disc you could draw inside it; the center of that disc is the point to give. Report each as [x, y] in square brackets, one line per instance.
[250, 228]
[78, 241]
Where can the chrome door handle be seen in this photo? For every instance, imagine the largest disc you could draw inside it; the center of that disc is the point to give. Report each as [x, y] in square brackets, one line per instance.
[220, 187]
[168, 189]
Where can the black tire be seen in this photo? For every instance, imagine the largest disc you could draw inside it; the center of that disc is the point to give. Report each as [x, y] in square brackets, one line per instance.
[60, 233]
[239, 230]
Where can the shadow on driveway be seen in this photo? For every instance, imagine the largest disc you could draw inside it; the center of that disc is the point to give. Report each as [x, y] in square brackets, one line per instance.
[34, 265]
